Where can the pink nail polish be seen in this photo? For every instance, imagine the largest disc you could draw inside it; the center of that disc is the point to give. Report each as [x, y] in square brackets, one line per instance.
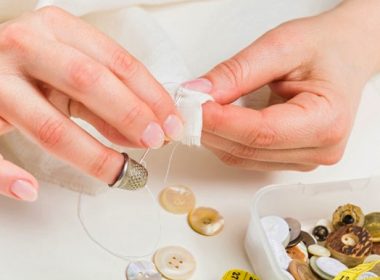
[24, 190]
[153, 136]
[173, 127]
[202, 85]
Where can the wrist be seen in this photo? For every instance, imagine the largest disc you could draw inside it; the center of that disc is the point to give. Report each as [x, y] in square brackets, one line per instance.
[358, 23]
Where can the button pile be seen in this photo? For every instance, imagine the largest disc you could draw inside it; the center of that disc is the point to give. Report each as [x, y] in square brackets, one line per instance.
[347, 247]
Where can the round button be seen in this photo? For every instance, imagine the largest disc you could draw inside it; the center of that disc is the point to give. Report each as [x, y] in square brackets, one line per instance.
[314, 267]
[330, 266]
[372, 258]
[280, 254]
[298, 253]
[175, 263]
[206, 221]
[142, 270]
[301, 271]
[319, 251]
[277, 229]
[320, 233]
[177, 199]
[368, 275]
[294, 228]
[308, 239]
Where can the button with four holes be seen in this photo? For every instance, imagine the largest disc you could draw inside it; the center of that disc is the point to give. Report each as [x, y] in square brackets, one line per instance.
[175, 263]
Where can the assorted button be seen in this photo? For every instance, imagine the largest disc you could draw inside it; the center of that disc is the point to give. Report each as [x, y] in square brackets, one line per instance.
[206, 221]
[177, 199]
[142, 270]
[330, 250]
[175, 263]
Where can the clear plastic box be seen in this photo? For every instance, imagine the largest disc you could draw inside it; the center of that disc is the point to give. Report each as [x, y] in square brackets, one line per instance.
[308, 203]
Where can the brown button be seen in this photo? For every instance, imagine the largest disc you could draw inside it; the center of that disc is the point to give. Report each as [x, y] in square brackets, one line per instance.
[301, 271]
[177, 199]
[298, 252]
[348, 214]
[308, 239]
[376, 248]
[206, 221]
[350, 245]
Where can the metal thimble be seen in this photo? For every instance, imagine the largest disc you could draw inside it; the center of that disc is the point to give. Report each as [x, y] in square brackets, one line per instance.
[133, 175]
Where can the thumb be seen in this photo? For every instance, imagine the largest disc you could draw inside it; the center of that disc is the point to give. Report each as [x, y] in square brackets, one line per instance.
[267, 59]
[16, 182]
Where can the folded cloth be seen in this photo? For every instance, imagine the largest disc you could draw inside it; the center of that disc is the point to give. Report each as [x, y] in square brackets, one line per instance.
[135, 29]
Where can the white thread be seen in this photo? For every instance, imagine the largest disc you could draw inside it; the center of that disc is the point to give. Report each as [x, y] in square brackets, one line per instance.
[177, 100]
[125, 257]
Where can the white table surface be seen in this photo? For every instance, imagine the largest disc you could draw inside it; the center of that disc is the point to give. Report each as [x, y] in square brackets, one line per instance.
[44, 240]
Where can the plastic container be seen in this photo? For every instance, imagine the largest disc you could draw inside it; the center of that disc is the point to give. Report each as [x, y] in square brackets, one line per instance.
[308, 203]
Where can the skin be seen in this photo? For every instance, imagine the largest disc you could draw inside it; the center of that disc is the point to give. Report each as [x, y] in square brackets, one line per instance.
[319, 65]
[53, 66]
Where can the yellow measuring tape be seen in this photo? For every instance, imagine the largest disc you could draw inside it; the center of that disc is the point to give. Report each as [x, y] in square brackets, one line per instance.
[354, 273]
[237, 274]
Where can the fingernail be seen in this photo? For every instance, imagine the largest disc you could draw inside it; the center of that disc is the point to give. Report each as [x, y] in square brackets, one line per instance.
[173, 127]
[202, 85]
[153, 136]
[24, 190]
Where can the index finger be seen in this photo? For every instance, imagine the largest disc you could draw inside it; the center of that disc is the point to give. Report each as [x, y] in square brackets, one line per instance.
[306, 121]
[129, 70]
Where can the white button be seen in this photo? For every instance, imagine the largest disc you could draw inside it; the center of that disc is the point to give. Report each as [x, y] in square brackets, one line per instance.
[175, 263]
[142, 270]
[280, 254]
[330, 266]
[367, 275]
[319, 251]
[277, 229]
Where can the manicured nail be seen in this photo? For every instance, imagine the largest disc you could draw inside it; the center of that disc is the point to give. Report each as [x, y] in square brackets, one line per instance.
[153, 136]
[173, 127]
[24, 190]
[202, 85]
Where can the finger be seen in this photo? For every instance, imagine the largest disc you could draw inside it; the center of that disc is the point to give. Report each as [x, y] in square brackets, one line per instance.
[55, 132]
[16, 182]
[235, 161]
[5, 127]
[305, 121]
[308, 156]
[92, 84]
[267, 59]
[78, 110]
[101, 48]
[72, 108]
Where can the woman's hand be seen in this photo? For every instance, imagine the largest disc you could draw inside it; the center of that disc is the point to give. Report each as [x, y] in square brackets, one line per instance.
[53, 66]
[319, 65]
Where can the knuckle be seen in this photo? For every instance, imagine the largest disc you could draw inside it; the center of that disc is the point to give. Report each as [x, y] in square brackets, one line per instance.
[98, 166]
[331, 157]
[83, 75]
[336, 132]
[234, 71]
[50, 132]
[262, 137]
[124, 64]
[230, 159]
[131, 116]
[51, 12]
[243, 151]
[13, 36]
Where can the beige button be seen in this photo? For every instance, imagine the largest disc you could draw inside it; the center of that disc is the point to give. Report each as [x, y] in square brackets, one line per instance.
[175, 263]
[177, 199]
[319, 251]
[206, 221]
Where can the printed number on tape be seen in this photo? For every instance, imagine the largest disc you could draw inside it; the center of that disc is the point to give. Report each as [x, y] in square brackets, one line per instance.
[356, 272]
[239, 275]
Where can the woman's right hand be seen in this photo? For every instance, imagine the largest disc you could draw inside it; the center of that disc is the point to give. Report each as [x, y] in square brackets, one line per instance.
[53, 66]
